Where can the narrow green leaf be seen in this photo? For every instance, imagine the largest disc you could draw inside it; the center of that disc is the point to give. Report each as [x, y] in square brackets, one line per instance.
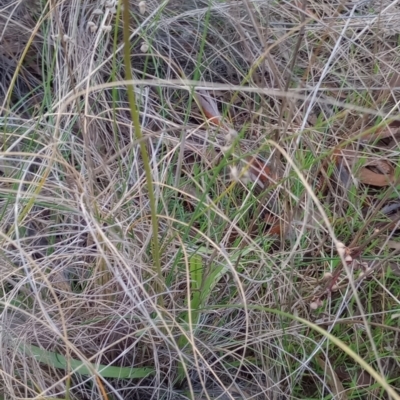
[196, 274]
[59, 361]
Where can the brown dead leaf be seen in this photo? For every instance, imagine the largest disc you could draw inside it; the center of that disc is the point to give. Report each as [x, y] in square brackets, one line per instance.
[343, 373]
[260, 172]
[209, 107]
[391, 130]
[367, 176]
[382, 175]
[351, 157]
[383, 166]
[276, 226]
[363, 378]
[275, 230]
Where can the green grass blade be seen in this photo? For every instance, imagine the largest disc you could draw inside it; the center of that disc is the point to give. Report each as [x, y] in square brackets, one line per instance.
[57, 360]
[201, 288]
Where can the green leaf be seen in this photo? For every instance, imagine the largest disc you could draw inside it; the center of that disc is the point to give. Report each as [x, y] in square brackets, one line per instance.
[200, 289]
[56, 360]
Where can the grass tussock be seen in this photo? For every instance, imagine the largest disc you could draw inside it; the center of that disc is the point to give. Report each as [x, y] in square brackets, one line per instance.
[148, 252]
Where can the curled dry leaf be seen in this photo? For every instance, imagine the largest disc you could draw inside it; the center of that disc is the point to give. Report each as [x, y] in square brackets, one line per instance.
[209, 107]
[383, 166]
[260, 172]
[382, 176]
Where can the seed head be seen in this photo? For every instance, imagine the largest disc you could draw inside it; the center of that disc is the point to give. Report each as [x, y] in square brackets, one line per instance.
[144, 47]
[142, 7]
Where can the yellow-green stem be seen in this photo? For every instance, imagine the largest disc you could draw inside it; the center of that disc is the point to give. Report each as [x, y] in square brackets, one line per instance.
[143, 149]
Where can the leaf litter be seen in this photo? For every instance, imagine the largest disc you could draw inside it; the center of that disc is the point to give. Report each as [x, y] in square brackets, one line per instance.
[375, 171]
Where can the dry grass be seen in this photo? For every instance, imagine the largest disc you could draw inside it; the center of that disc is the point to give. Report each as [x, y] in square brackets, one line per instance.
[84, 314]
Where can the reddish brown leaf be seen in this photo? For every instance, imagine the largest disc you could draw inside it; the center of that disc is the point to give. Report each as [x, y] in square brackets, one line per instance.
[260, 172]
[276, 226]
[270, 219]
[275, 230]
[383, 176]
[209, 107]
[365, 175]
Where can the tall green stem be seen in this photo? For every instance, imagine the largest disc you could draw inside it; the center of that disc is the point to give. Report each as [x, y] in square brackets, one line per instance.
[139, 137]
